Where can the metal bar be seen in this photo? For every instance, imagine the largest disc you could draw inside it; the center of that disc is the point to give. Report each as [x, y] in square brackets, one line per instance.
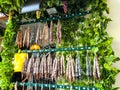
[55, 18]
[59, 49]
[58, 86]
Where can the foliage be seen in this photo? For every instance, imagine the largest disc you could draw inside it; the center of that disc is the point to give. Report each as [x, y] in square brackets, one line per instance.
[6, 66]
[89, 30]
[93, 34]
[10, 5]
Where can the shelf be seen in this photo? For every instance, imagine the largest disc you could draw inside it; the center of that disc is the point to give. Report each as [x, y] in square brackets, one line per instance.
[59, 49]
[58, 86]
[66, 16]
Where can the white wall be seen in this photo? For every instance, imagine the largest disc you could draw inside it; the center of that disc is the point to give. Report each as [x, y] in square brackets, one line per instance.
[114, 30]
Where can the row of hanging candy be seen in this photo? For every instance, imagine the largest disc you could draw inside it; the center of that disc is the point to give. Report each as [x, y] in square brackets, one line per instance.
[42, 37]
[46, 67]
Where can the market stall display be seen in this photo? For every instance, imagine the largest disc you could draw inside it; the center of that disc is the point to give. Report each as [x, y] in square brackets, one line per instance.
[67, 32]
[46, 64]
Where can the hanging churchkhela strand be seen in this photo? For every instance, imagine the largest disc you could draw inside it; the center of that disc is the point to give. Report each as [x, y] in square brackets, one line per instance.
[70, 69]
[78, 70]
[62, 65]
[59, 33]
[45, 34]
[30, 66]
[26, 39]
[96, 69]
[65, 6]
[58, 68]
[88, 66]
[40, 37]
[72, 66]
[24, 69]
[37, 35]
[24, 72]
[19, 39]
[51, 41]
[36, 68]
[45, 67]
[41, 68]
[67, 68]
[30, 71]
[54, 69]
[49, 61]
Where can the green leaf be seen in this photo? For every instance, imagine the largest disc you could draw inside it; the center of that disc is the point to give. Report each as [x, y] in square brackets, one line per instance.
[107, 66]
[95, 49]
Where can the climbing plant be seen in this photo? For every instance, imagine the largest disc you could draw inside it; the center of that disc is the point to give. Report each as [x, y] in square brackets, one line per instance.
[9, 5]
[89, 30]
[11, 8]
[6, 66]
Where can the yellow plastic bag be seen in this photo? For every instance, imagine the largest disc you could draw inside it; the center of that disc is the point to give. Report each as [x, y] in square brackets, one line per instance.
[19, 59]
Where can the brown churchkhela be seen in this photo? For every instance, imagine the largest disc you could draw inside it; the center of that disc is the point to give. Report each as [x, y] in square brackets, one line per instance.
[43, 37]
[19, 39]
[29, 70]
[62, 65]
[43, 67]
[54, 69]
[36, 68]
[26, 39]
[48, 68]
[45, 34]
[24, 69]
[49, 60]
[51, 33]
[37, 35]
[59, 32]
[70, 75]
[96, 69]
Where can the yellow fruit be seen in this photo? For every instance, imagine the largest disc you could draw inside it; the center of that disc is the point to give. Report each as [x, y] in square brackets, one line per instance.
[35, 47]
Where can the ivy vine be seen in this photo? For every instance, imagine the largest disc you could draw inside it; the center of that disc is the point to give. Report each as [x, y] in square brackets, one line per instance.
[6, 66]
[9, 48]
[89, 30]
